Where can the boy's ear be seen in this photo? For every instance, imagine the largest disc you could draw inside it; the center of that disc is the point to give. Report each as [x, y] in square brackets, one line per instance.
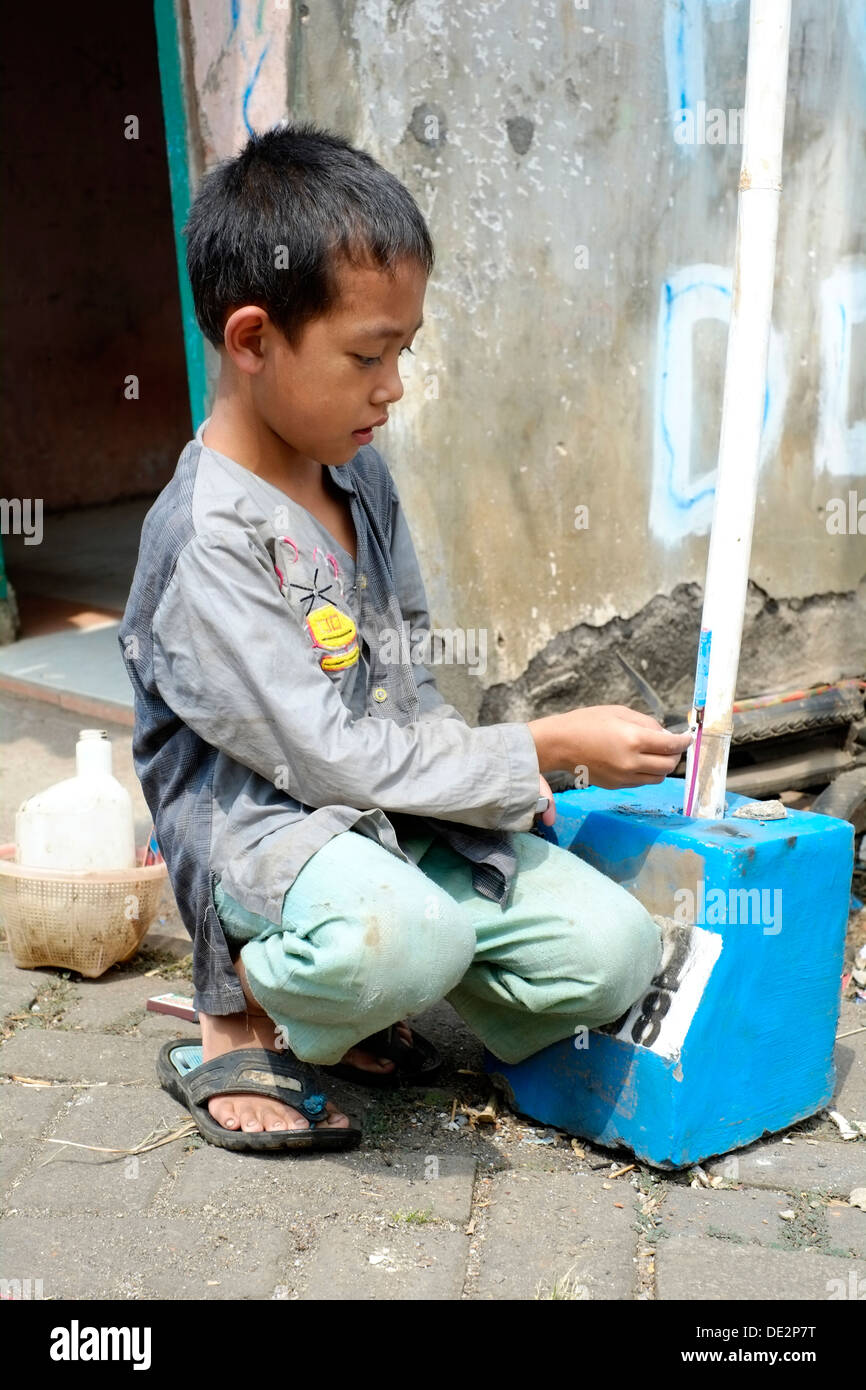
[245, 330]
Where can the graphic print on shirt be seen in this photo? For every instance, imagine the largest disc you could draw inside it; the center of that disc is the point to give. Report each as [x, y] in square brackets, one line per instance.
[332, 632]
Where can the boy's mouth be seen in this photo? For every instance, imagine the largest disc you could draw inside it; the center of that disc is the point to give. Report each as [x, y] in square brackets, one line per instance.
[365, 434]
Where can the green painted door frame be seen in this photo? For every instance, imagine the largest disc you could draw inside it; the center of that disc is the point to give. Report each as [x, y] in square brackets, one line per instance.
[168, 47]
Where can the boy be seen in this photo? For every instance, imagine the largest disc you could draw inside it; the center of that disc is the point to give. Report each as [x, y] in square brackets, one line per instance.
[343, 847]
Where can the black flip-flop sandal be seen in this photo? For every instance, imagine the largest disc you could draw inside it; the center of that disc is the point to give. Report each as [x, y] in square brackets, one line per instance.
[417, 1062]
[250, 1071]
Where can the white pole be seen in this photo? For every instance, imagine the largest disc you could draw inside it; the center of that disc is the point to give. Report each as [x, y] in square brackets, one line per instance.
[742, 409]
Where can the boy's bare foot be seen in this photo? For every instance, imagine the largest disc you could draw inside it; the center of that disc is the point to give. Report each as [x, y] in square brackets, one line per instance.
[366, 1061]
[221, 1033]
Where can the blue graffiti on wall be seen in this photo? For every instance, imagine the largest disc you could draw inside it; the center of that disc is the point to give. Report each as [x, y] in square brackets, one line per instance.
[840, 446]
[684, 56]
[249, 85]
[682, 505]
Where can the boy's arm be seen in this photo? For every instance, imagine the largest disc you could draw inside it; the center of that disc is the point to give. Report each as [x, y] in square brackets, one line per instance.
[413, 603]
[237, 665]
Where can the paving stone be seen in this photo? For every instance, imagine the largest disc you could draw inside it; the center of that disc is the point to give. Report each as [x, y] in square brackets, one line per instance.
[418, 1263]
[18, 988]
[440, 1184]
[14, 1158]
[823, 1166]
[112, 999]
[850, 1097]
[302, 1183]
[72, 1179]
[556, 1227]
[308, 1184]
[846, 1231]
[164, 1026]
[65, 1056]
[742, 1217]
[26, 1110]
[144, 1257]
[697, 1267]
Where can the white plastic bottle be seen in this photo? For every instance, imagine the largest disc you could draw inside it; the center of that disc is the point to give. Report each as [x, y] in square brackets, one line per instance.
[83, 823]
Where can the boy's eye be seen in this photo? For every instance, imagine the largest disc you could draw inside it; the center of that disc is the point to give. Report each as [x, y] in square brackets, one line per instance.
[371, 361]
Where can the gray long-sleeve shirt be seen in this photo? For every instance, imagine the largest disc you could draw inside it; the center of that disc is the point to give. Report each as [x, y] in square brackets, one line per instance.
[276, 703]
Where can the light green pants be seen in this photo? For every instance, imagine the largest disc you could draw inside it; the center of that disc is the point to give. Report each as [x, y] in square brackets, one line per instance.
[367, 939]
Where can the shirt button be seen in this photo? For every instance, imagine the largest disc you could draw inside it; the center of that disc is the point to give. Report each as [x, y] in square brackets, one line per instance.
[380, 693]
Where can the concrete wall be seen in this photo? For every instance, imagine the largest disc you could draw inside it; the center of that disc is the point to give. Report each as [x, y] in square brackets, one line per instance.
[578, 164]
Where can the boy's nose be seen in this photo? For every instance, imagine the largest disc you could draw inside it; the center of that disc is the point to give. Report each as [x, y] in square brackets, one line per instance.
[390, 390]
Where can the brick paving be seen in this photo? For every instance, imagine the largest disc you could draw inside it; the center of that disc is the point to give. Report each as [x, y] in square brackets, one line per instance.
[428, 1208]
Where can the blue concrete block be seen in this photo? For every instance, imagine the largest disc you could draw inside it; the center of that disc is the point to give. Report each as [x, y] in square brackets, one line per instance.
[735, 1037]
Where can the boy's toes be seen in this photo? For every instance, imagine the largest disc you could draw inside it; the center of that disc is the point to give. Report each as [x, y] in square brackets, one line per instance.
[260, 1114]
[250, 1117]
[222, 1109]
[254, 1114]
[276, 1116]
[336, 1119]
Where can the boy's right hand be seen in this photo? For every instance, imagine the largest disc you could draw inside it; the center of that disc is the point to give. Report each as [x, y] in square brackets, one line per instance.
[616, 745]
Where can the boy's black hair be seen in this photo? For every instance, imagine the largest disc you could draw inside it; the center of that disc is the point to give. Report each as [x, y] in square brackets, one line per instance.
[307, 190]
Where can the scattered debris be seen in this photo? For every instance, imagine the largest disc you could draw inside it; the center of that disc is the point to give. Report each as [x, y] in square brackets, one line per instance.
[471, 1116]
[74, 1085]
[788, 1215]
[846, 1130]
[488, 1115]
[581, 1153]
[629, 1168]
[761, 810]
[700, 1178]
[154, 1140]
[858, 1198]
[564, 1288]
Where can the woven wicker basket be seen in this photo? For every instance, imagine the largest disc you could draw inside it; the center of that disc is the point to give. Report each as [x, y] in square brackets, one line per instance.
[81, 921]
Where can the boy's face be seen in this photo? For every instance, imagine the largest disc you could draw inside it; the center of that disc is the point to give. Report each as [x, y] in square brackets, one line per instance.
[343, 376]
